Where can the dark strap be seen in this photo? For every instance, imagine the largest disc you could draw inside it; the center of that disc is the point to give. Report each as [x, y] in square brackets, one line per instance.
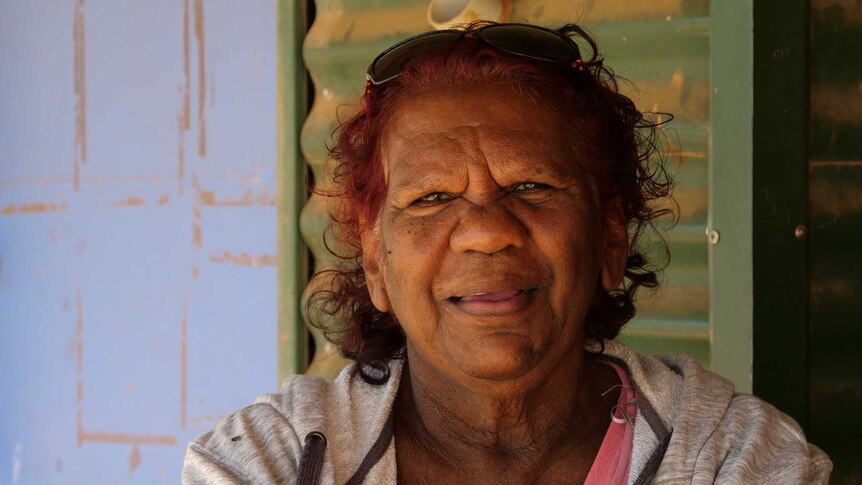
[378, 449]
[312, 459]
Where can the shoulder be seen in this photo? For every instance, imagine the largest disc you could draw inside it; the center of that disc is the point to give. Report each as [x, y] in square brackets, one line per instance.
[719, 434]
[262, 443]
[675, 387]
[756, 440]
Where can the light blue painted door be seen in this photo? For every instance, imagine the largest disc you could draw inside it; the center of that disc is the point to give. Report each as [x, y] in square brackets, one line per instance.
[137, 231]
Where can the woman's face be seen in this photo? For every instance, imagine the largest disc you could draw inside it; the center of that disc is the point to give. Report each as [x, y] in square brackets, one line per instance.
[488, 248]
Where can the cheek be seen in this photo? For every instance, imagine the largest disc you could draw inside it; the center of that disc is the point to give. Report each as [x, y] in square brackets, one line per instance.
[414, 249]
[568, 239]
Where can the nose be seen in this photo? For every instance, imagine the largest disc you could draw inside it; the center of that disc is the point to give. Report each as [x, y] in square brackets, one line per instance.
[487, 228]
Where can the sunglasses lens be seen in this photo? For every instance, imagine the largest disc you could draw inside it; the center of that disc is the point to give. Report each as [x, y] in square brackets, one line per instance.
[531, 42]
[388, 64]
[523, 40]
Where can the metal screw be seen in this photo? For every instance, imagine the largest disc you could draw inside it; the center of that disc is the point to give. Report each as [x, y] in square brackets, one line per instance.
[713, 236]
[800, 232]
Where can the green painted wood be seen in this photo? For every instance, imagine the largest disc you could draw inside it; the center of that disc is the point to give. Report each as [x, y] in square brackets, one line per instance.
[292, 260]
[662, 46]
[835, 244]
[730, 193]
[730, 252]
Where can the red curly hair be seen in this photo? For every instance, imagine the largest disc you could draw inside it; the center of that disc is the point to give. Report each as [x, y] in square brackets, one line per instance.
[610, 137]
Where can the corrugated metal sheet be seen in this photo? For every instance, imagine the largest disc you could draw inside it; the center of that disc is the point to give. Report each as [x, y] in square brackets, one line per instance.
[661, 46]
[835, 244]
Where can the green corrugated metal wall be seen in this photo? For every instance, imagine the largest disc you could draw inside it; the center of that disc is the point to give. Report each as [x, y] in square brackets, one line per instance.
[662, 46]
[731, 73]
[835, 244]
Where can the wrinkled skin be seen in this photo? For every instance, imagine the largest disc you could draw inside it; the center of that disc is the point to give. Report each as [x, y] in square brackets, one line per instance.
[488, 250]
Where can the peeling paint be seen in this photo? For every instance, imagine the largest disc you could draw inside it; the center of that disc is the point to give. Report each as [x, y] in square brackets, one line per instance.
[243, 259]
[92, 180]
[129, 438]
[80, 88]
[33, 208]
[186, 108]
[92, 233]
[199, 421]
[128, 202]
[181, 152]
[184, 115]
[197, 233]
[264, 198]
[134, 459]
[197, 229]
[199, 36]
[98, 436]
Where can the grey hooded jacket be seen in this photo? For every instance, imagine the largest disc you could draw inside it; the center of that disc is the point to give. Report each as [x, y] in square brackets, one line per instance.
[691, 428]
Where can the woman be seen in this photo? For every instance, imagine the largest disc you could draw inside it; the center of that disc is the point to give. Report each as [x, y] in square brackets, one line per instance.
[495, 186]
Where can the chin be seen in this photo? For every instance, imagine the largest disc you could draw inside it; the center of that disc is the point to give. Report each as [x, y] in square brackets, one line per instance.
[499, 358]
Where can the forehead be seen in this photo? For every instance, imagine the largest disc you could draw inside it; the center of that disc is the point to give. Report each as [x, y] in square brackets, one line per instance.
[493, 120]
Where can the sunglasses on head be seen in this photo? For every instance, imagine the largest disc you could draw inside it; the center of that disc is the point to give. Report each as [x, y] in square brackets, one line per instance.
[524, 40]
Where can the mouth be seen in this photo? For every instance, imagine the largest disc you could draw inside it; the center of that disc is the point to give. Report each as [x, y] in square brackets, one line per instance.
[492, 303]
[495, 296]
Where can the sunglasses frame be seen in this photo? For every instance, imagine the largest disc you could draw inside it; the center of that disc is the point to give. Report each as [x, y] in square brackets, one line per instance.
[573, 51]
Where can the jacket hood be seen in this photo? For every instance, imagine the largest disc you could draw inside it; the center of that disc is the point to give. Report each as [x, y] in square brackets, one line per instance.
[680, 405]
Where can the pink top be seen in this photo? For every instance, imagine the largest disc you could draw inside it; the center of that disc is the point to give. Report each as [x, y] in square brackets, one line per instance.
[611, 466]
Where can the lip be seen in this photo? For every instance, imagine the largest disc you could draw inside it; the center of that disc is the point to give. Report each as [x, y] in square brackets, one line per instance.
[493, 303]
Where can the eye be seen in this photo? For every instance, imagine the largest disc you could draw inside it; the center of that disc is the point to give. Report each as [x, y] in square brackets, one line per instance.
[527, 187]
[432, 199]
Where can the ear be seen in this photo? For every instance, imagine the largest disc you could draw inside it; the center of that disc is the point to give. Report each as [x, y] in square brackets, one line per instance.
[372, 266]
[616, 251]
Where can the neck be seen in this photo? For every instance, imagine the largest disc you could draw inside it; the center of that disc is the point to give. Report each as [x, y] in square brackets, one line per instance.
[505, 425]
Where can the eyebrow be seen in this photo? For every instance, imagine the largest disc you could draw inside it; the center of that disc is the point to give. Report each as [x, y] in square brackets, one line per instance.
[530, 151]
[511, 158]
[416, 181]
